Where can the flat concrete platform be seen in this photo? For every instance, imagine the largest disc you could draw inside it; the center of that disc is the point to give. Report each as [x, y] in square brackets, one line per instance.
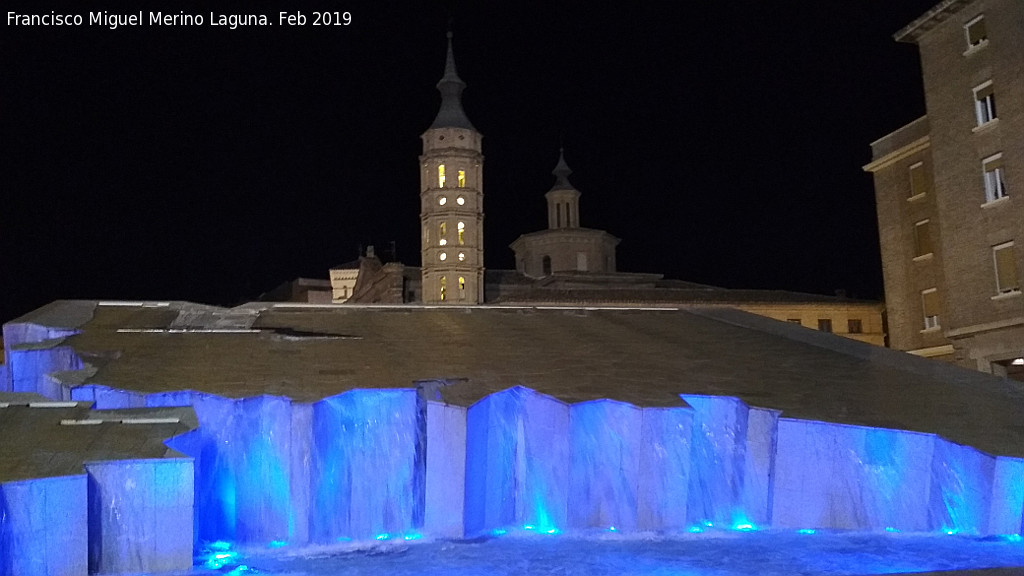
[43, 438]
[643, 356]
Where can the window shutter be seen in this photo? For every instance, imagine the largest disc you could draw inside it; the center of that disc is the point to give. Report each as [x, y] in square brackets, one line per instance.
[1006, 269]
[918, 180]
[931, 303]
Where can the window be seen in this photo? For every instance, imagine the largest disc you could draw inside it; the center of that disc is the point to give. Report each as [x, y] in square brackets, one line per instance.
[930, 307]
[442, 256]
[462, 233]
[1007, 280]
[440, 176]
[581, 261]
[568, 217]
[558, 215]
[460, 200]
[825, 324]
[462, 180]
[443, 228]
[853, 326]
[976, 34]
[462, 256]
[444, 288]
[985, 103]
[918, 180]
[441, 200]
[922, 238]
[995, 186]
[545, 264]
[462, 287]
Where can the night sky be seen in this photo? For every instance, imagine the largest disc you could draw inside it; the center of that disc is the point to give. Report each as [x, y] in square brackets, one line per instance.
[721, 140]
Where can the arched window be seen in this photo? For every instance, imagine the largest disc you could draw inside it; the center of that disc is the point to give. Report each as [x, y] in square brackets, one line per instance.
[558, 215]
[568, 216]
[440, 176]
[546, 265]
[462, 287]
[444, 288]
[462, 178]
[462, 232]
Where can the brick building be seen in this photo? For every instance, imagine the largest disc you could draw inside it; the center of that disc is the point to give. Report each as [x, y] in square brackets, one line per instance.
[951, 229]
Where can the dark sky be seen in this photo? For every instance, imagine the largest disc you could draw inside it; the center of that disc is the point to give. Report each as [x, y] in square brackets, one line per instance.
[721, 140]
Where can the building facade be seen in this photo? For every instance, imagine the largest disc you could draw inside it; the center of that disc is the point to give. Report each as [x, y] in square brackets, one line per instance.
[951, 229]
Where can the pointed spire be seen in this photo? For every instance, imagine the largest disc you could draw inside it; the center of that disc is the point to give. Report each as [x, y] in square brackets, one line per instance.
[451, 114]
[562, 172]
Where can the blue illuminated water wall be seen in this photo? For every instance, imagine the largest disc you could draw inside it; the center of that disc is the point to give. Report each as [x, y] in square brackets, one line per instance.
[140, 516]
[665, 463]
[43, 528]
[242, 467]
[517, 451]
[367, 446]
[732, 461]
[851, 477]
[1007, 509]
[32, 353]
[961, 489]
[5, 379]
[604, 473]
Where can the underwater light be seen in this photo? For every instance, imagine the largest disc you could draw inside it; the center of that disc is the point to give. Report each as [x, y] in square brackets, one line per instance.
[554, 531]
[277, 544]
[806, 531]
[744, 527]
[413, 536]
[1012, 538]
[528, 527]
[384, 536]
[696, 529]
[498, 532]
[890, 529]
[611, 528]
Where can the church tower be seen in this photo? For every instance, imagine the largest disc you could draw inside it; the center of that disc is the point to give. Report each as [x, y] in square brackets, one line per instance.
[565, 247]
[451, 200]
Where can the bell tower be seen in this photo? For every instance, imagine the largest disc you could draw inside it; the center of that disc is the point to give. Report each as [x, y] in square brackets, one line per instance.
[451, 200]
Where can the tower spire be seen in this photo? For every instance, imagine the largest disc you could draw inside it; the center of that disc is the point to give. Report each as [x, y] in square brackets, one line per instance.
[562, 172]
[451, 114]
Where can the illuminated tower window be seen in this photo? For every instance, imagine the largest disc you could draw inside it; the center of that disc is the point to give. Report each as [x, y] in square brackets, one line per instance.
[444, 228]
[444, 288]
[442, 256]
[443, 242]
[440, 176]
[462, 287]
[462, 232]
[462, 256]
[442, 200]
[462, 178]
[460, 200]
